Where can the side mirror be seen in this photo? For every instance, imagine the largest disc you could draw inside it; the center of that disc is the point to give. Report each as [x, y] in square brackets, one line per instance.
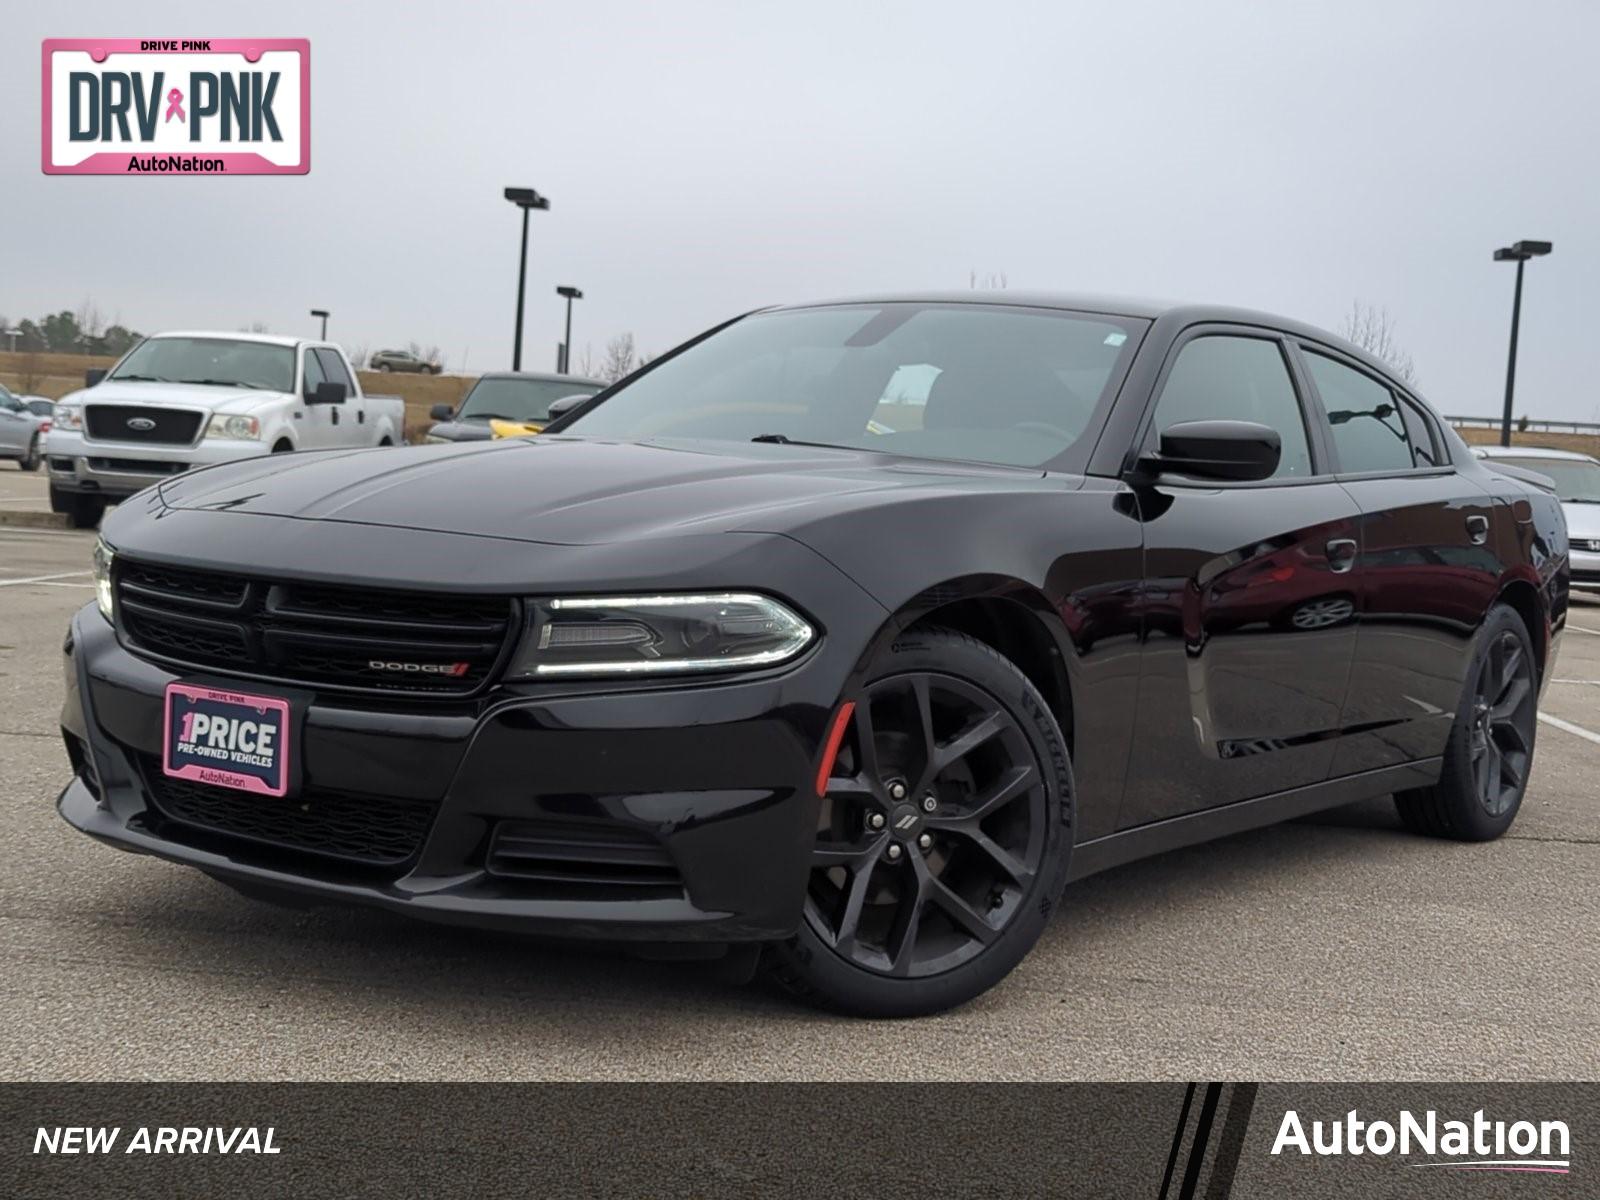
[93, 376]
[326, 393]
[1237, 451]
[441, 412]
[566, 404]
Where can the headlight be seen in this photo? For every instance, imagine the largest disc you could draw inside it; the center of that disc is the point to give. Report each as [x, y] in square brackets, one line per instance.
[103, 556]
[69, 416]
[243, 429]
[658, 635]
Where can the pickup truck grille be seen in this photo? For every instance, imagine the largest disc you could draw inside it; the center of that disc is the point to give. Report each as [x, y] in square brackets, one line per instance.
[317, 635]
[150, 426]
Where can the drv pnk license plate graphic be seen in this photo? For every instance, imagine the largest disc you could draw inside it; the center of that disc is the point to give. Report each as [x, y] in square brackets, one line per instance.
[176, 106]
[228, 739]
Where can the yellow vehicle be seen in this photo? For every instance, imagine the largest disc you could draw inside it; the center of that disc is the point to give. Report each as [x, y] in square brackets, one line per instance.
[506, 404]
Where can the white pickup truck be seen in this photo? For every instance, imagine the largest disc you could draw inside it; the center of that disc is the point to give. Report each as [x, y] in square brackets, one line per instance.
[182, 400]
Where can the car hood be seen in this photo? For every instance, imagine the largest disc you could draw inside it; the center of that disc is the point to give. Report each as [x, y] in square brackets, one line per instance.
[173, 395]
[1583, 520]
[575, 491]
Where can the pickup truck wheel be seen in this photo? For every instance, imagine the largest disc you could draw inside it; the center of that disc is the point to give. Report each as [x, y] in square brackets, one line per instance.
[31, 460]
[85, 511]
[282, 447]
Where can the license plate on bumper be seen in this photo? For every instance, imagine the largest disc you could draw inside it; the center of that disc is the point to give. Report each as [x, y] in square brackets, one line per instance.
[226, 738]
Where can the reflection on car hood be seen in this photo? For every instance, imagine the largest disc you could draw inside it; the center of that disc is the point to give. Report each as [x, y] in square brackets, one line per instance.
[573, 491]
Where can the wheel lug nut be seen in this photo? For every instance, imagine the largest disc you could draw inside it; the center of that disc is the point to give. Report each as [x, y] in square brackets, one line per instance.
[897, 790]
[926, 842]
[894, 851]
[876, 820]
[929, 802]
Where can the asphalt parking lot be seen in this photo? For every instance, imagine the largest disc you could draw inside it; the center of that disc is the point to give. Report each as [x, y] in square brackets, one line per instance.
[1341, 948]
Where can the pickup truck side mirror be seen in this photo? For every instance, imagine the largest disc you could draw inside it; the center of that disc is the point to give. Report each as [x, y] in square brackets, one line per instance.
[441, 412]
[561, 407]
[326, 393]
[93, 376]
[1237, 451]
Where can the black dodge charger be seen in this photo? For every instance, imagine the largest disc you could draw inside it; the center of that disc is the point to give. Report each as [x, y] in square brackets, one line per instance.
[841, 638]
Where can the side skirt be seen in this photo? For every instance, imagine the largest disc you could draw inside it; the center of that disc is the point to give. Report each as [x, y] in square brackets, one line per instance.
[1142, 841]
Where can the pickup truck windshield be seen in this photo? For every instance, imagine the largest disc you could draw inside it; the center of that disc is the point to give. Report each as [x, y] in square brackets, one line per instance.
[516, 399]
[221, 362]
[988, 383]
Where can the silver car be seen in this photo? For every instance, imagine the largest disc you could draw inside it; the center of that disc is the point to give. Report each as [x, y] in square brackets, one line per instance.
[1577, 480]
[22, 431]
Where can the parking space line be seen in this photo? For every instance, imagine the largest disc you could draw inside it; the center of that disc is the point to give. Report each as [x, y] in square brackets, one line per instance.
[43, 578]
[1583, 629]
[1587, 735]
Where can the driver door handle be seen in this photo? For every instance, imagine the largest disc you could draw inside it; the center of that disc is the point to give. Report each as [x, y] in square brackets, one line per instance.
[1478, 529]
[1341, 554]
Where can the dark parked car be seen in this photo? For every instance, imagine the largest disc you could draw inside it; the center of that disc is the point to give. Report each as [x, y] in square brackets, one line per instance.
[713, 664]
[401, 360]
[506, 404]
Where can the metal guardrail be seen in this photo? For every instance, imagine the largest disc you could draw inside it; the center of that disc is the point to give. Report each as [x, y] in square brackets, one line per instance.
[1528, 425]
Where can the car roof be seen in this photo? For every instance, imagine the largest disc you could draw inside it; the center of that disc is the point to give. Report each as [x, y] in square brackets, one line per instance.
[1509, 452]
[545, 377]
[1181, 313]
[268, 339]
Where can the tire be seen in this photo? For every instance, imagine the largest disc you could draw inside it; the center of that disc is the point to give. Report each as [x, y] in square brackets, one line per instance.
[84, 511]
[283, 447]
[60, 501]
[384, 367]
[1490, 750]
[933, 927]
[31, 460]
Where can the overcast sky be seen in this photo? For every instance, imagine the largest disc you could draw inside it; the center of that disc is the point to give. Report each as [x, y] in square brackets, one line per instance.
[703, 159]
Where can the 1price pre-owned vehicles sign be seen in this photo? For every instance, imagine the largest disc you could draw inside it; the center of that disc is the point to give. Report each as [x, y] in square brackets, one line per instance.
[209, 106]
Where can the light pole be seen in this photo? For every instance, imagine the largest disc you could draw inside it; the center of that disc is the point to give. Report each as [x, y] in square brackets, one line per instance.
[1519, 253]
[526, 199]
[323, 313]
[571, 293]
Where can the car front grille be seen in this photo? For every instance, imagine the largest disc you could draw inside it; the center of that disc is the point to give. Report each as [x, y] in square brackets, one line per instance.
[1590, 544]
[368, 830]
[154, 426]
[317, 635]
[563, 854]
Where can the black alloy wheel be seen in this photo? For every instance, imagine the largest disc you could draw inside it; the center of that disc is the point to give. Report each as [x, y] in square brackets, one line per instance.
[942, 837]
[1489, 754]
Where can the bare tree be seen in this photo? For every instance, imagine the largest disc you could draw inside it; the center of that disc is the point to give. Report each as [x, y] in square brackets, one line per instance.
[620, 359]
[254, 327]
[989, 281]
[1373, 330]
[586, 363]
[91, 321]
[357, 356]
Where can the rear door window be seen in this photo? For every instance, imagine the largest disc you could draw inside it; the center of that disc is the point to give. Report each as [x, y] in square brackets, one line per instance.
[1369, 428]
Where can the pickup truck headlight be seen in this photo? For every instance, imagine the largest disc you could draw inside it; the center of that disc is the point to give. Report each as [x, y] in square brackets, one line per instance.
[658, 635]
[103, 556]
[240, 429]
[69, 416]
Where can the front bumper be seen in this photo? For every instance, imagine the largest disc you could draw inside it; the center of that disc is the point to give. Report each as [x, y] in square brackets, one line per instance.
[1585, 568]
[718, 775]
[117, 470]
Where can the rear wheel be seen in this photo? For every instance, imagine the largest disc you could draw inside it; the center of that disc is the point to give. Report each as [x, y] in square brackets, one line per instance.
[943, 839]
[1490, 751]
[31, 460]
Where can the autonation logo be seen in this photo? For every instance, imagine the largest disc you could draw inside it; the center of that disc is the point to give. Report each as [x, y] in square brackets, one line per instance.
[1479, 1144]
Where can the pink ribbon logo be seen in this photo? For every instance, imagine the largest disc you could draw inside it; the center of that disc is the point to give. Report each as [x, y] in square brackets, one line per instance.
[175, 105]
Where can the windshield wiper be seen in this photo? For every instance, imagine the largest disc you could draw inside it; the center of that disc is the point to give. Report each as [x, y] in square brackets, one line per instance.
[254, 387]
[783, 439]
[483, 416]
[140, 378]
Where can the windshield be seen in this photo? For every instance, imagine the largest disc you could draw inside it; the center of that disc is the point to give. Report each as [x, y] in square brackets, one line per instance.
[1577, 481]
[978, 382]
[518, 399]
[222, 362]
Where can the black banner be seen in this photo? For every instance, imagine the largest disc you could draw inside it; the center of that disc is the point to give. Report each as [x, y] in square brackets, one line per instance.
[1161, 1141]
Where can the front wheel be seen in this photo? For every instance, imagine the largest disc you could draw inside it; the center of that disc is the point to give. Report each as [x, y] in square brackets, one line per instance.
[1490, 750]
[33, 458]
[943, 840]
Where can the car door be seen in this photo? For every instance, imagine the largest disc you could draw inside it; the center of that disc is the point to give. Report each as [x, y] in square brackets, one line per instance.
[1248, 602]
[1428, 569]
[353, 412]
[315, 421]
[16, 426]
